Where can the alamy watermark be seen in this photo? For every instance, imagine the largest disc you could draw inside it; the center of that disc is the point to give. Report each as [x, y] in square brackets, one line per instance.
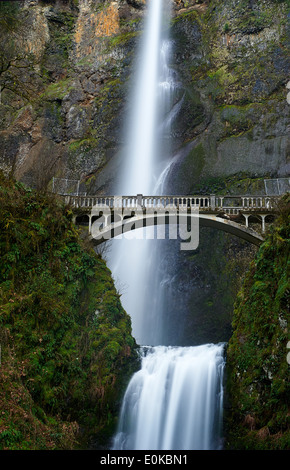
[288, 94]
[120, 222]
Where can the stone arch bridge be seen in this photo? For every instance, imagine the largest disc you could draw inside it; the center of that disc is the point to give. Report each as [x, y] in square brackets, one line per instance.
[108, 217]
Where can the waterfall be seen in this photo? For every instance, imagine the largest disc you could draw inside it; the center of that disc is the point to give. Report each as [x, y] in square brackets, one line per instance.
[141, 135]
[154, 103]
[175, 400]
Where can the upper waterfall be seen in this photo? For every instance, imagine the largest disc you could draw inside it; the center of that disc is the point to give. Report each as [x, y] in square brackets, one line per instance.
[153, 88]
[140, 135]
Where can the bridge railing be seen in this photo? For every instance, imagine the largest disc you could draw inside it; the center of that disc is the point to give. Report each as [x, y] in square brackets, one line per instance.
[134, 202]
[228, 204]
[251, 202]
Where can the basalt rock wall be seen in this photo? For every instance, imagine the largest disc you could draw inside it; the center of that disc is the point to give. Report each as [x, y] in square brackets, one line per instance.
[65, 78]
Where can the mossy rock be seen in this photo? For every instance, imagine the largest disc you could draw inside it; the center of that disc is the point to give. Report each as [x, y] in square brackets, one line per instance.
[258, 372]
[62, 317]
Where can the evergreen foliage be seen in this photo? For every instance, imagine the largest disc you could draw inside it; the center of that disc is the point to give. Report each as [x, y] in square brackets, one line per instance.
[66, 343]
[258, 368]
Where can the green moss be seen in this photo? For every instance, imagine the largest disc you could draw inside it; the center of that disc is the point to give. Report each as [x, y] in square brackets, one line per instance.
[122, 39]
[85, 144]
[193, 163]
[186, 15]
[61, 316]
[258, 380]
[238, 71]
[57, 90]
[222, 76]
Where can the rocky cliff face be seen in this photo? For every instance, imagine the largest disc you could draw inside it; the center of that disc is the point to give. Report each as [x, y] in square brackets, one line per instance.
[65, 75]
[61, 94]
[233, 60]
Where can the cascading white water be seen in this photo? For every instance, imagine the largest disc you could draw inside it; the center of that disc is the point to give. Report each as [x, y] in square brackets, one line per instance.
[131, 259]
[141, 132]
[175, 401]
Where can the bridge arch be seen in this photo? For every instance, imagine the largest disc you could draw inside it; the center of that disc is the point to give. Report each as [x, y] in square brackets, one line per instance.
[113, 230]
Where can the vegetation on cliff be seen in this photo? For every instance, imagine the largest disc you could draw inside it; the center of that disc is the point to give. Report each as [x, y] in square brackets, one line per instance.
[257, 358]
[233, 63]
[66, 345]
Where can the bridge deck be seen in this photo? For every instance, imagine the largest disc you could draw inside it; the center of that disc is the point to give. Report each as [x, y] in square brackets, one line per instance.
[212, 203]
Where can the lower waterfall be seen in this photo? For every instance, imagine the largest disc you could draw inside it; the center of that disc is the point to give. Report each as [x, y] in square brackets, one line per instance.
[175, 401]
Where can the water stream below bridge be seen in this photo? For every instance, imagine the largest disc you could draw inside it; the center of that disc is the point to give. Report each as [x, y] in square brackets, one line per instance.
[175, 400]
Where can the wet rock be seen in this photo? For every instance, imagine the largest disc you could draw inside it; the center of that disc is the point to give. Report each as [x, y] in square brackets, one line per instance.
[77, 122]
